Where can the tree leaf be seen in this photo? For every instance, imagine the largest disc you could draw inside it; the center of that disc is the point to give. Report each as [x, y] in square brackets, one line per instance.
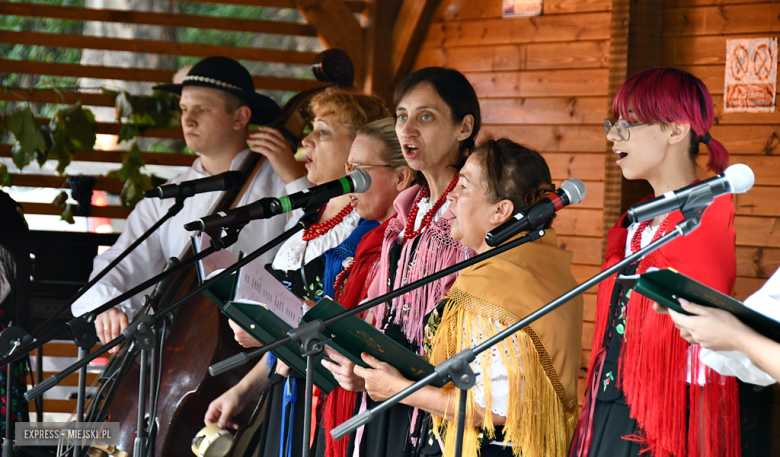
[27, 131]
[80, 127]
[128, 132]
[67, 214]
[21, 157]
[61, 199]
[5, 177]
[60, 151]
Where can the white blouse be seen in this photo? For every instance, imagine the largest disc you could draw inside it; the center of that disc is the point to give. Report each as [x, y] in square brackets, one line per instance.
[292, 251]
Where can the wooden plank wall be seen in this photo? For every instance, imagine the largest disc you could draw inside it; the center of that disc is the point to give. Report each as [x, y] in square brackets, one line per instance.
[694, 38]
[542, 82]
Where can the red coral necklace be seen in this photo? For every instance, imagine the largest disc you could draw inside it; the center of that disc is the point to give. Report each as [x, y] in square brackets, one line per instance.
[320, 229]
[409, 231]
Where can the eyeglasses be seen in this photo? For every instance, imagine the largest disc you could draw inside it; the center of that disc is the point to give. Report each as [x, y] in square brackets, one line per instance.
[350, 167]
[623, 127]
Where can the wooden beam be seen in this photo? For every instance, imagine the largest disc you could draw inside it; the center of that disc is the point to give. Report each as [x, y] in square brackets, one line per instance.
[172, 159]
[111, 212]
[58, 40]
[161, 19]
[356, 6]
[635, 44]
[337, 27]
[60, 182]
[11, 95]
[379, 49]
[410, 27]
[138, 74]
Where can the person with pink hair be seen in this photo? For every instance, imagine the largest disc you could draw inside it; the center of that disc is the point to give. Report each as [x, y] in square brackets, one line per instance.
[646, 390]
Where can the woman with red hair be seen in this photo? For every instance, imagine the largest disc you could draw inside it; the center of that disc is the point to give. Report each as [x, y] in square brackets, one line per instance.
[647, 392]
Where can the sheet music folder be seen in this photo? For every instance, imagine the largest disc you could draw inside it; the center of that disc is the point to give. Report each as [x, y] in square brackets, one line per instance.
[665, 286]
[349, 337]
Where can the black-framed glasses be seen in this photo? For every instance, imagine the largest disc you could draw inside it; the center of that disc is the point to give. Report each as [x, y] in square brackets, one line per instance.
[350, 167]
[623, 127]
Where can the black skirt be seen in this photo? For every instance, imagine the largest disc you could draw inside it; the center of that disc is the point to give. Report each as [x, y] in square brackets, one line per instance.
[271, 430]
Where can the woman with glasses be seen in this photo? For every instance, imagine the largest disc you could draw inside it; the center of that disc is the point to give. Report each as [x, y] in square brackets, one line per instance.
[646, 389]
[376, 150]
[308, 264]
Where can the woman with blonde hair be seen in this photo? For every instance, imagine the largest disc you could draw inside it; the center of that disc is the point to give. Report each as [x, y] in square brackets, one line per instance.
[307, 264]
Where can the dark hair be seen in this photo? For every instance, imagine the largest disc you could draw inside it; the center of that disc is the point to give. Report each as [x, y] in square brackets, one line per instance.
[514, 172]
[456, 91]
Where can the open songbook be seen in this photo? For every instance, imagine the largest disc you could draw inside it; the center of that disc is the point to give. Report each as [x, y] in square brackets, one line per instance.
[666, 286]
[267, 310]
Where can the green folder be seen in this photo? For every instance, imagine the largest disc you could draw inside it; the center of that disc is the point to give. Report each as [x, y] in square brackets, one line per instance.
[349, 337]
[666, 286]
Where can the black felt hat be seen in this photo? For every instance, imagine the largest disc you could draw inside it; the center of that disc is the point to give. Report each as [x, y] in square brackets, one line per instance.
[226, 74]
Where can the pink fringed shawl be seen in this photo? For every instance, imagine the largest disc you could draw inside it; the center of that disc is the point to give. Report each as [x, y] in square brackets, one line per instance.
[435, 250]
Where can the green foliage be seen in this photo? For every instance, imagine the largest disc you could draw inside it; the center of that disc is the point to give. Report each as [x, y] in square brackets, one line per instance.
[30, 140]
[67, 209]
[40, 53]
[135, 181]
[72, 129]
[5, 178]
[160, 110]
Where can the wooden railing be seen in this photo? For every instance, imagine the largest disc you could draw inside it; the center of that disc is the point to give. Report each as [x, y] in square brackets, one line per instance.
[147, 46]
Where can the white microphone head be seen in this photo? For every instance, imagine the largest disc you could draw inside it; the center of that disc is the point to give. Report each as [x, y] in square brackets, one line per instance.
[740, 178]
[574, 189]
[361, 181]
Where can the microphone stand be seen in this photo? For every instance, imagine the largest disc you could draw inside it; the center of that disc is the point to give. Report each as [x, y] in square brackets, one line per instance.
[172, 211]
[308, 336]
[10, 340]
[230, 238]
[142, 333]
[457, 369]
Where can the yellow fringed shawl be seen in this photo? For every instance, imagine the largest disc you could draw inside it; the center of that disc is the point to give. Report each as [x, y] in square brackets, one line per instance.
[542, 360]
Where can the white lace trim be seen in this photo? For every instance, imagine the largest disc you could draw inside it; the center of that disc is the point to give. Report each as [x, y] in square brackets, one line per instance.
[499, 377]
[290, 254]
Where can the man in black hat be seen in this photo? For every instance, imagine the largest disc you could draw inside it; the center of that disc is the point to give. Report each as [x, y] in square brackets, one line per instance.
[218, 102]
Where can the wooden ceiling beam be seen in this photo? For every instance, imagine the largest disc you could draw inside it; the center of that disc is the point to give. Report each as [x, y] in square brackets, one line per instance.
[337, 27]
[412, 22]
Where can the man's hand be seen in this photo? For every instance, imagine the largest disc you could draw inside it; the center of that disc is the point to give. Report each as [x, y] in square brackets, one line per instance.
[244, 339]
[109, 325]
[270, 142]
[225, 407]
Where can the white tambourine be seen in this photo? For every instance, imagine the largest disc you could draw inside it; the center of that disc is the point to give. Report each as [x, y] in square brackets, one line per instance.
[212, 441]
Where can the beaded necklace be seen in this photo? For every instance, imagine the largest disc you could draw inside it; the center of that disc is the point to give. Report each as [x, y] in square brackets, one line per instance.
[320, 229]
[409, 231]
[636, 241]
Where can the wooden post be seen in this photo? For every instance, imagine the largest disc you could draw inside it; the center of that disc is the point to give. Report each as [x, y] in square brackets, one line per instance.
[337, 27]
[635, 44]
[379, 21]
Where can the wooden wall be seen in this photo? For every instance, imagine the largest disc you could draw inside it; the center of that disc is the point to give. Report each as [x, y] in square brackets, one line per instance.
[694, 38]
[541, 81]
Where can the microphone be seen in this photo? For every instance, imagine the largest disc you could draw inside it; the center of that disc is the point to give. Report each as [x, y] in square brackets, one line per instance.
[571, 192]
[356, 182]
[737, 179]
[224, 181]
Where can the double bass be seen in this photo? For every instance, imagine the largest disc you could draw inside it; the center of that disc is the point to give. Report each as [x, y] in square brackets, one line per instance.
[199, 335]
